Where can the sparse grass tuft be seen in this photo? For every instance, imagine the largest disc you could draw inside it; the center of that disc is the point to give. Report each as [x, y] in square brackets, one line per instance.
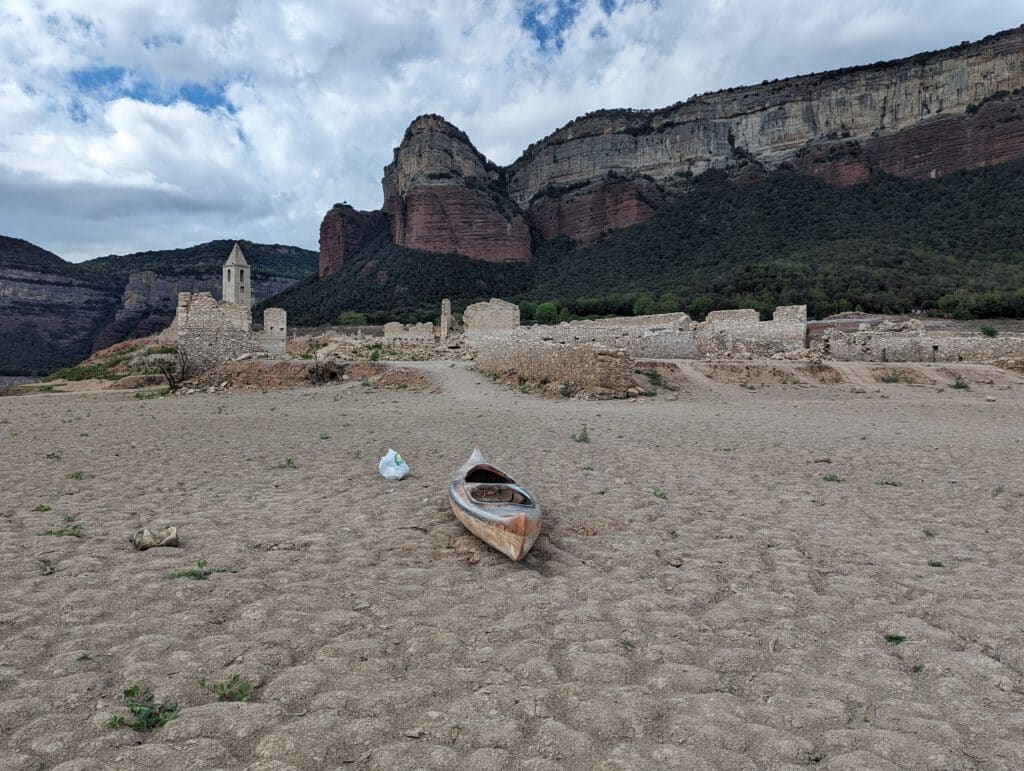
[659, 493]
[889, 481]
[961, 385]
[989, 331]
[79, 475]
[890, 377]
[832, 478]
[998, 490]
[74, 531]
[153, 394]
[917, 669]
[85, 372]
[565, 391]
[928, 533]
[147, 713]
[53, 456]
[324, 435]
[200, 572]
[583, 436]
[935, 564]
[42, 507]
[895, 639]
[589, 467]
[655, 377]
[288, 463]
[235, 688]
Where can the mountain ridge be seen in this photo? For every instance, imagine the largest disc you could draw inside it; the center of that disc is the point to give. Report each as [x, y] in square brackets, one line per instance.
[54, 313]
[921, 116]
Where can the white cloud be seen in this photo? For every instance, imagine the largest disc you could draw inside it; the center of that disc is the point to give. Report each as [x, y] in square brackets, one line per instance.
[317, 94]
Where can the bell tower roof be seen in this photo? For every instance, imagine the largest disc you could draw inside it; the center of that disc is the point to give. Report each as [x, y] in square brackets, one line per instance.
[236, 258]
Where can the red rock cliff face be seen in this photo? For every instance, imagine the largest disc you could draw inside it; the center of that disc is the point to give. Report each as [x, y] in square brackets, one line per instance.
[444, 196]
[991, 134]
[919, 117]
[584, 214]
[452, 218]
[342, 232]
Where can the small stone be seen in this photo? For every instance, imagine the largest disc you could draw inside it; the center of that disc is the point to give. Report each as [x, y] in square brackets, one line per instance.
[990, 398]
[148, 539]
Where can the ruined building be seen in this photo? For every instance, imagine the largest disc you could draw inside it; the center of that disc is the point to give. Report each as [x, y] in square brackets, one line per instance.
[210, 330]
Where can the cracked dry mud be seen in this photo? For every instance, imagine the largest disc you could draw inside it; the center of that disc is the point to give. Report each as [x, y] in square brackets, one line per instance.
[736, 619]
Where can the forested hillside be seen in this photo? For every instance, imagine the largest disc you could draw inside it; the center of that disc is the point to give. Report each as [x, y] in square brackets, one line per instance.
[267, 259]
[954, 245]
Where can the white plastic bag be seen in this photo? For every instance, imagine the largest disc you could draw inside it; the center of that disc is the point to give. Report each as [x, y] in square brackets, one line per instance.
[393, 467]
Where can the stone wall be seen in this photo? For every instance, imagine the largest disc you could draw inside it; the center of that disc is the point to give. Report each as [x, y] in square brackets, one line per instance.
[660, 336]
[275, 331]
[409, 333]
[212, 330]
[742, 330]
[496, 318]
[592, 369]
[907, 341]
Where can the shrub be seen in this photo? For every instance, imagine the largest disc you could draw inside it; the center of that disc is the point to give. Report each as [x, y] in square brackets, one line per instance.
[989, 331]
[235, 688]
[147, 713]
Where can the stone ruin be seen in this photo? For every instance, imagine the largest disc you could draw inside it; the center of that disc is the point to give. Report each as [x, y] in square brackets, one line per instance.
[660, 336]
[905, 341]
[599, 356]
[210, 330]
[409, 333]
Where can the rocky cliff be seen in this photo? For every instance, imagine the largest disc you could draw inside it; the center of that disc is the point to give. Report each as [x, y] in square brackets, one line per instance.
[55, 313]
[444, 196]
[920, 117]
[894, 111]
[48, 318]
[342, 232]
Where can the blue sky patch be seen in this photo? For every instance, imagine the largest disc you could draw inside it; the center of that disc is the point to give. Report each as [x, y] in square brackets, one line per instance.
[548, 30]
[115, 82]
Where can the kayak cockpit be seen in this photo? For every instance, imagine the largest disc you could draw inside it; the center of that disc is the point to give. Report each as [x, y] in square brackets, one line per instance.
[497, 492]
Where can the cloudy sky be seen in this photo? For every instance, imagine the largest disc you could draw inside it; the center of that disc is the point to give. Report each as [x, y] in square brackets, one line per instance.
[127, 126]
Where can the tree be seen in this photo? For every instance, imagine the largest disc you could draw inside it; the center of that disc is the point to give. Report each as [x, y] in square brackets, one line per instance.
[644, 305]
[546, 313]
[176, 370]
[352, 319]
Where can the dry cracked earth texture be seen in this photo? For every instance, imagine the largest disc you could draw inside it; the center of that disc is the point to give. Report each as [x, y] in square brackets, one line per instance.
[740, 578]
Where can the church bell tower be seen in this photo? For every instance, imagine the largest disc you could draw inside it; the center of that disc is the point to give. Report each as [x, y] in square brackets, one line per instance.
[237, 278]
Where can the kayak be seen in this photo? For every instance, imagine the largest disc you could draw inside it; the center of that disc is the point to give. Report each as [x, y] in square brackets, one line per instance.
[494, 507]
